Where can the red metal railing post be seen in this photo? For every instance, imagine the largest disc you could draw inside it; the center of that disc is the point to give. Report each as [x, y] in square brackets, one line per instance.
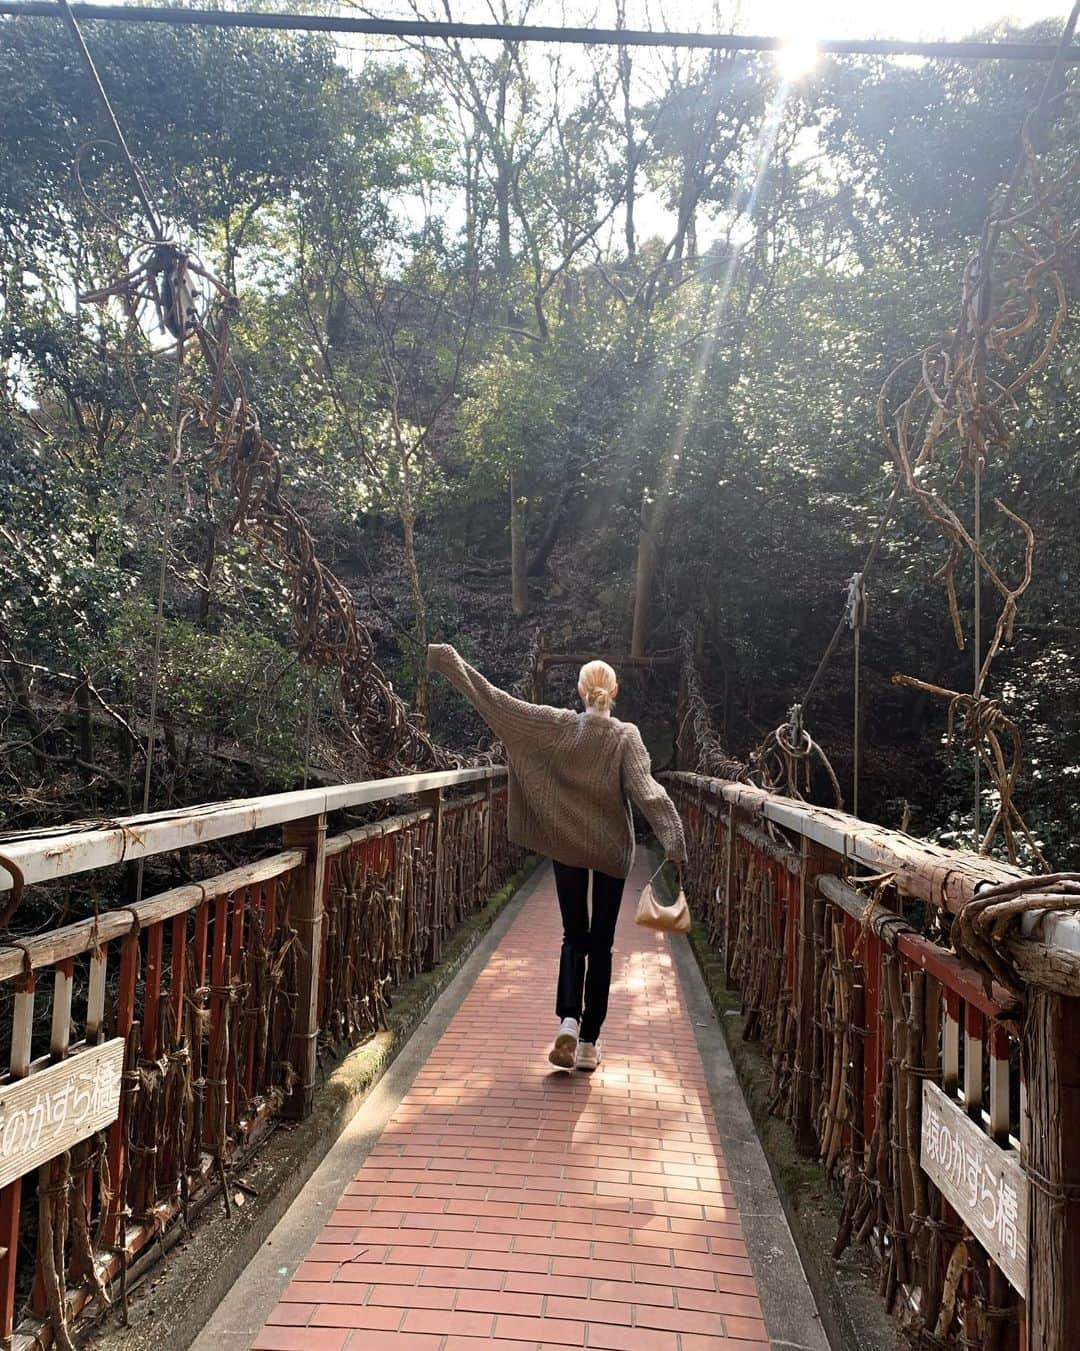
[155, 944]
[974, 1039]
[11, 1195]
[487, 857]
[178, 973]
[871, 1039]
[730, 846]
[117, 1150]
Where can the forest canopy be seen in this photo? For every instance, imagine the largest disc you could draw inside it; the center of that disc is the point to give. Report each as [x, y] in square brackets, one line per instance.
[574, 347]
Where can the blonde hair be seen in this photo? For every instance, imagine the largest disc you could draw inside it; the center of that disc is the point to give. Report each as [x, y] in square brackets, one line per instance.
[598, 686]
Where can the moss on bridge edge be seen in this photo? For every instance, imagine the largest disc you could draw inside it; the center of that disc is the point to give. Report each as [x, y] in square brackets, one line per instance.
[175, 1298]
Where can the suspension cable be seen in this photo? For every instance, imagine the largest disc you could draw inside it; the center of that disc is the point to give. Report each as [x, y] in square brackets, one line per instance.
[868, 563]
[855, 614]
[977, 644]
[173, 459]
[509, 32]
[175, 421]
[65, 10]
[308, 728]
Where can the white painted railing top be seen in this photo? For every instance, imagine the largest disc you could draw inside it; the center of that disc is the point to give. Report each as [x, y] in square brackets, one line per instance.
[44, 856]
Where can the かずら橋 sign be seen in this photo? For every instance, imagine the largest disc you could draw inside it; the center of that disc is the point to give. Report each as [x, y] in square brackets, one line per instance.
[48, 1112]
[983, 1183]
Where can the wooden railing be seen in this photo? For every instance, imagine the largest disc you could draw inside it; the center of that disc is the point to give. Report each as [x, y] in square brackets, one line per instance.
[203, 1010]
[918, 1084]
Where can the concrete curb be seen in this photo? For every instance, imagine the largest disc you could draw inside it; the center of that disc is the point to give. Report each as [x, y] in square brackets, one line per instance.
[182, 1294]
[852, 1316]
[787, 1299]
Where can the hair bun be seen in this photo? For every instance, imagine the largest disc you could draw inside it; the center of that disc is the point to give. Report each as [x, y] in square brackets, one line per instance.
[598, 685]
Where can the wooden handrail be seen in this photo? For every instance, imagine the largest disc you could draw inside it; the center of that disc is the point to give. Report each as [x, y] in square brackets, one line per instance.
[45, 856]
[895, 932]
[947, 878]
[942, 877]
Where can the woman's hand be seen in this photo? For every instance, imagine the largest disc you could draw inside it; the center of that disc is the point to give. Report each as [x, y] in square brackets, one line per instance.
[438, 652]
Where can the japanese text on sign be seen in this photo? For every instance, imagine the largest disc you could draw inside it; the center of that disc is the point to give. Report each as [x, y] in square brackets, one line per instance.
[48, 1112]
[981, 1181]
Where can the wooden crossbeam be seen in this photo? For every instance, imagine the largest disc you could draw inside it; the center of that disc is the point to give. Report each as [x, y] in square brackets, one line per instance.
[547, 659]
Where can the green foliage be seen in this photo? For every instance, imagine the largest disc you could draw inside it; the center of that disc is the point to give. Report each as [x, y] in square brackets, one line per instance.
[438, 285]
[238, 689]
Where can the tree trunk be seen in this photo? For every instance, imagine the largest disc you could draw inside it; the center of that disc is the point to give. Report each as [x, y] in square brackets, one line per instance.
[548, 539]
[625, 72]
[21, 693]
[172, 753]
[85, 726]
[471, 192]
[412, 569]
[519, 592]
[654, 517]
[209, 558]
[647, 558]
[125, 746]
[650, 541]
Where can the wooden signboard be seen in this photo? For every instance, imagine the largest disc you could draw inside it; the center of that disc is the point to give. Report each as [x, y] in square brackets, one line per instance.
[48, 1112]
[983, 1183]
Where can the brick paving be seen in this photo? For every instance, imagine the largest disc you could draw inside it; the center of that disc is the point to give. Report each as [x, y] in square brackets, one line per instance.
[511, 1207]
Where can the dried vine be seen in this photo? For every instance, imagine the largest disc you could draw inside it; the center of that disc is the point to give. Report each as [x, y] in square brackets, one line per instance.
[328, 628]
[979, 932]
[783, 763]
[329, 632]
[981, 723]
[700, 745]
[953, 398]
[819, 1035]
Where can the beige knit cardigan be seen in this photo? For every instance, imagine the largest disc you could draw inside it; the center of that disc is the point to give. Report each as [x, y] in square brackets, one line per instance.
[572, 776]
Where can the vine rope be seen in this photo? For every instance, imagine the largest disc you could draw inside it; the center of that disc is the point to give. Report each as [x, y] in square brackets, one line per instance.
[959, 390]
[327, 624]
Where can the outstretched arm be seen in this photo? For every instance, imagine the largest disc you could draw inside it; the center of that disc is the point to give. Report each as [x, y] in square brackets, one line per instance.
[501, 711]
[652, 800]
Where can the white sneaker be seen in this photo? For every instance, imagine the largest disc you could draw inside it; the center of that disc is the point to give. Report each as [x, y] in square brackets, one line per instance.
[588, 1056]
[563, 1052]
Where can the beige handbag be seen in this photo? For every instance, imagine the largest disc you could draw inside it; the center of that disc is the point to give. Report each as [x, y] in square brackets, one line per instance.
[667, 918]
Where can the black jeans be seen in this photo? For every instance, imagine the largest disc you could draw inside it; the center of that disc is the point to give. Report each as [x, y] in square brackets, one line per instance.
[585, 962]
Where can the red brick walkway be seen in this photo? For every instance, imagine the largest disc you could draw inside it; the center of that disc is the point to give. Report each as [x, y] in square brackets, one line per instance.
[511, 1206]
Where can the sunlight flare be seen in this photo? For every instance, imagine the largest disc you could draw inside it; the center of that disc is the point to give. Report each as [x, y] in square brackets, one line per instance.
[798, 56]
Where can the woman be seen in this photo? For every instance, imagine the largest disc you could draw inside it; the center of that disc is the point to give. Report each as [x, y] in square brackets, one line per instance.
[572, 777]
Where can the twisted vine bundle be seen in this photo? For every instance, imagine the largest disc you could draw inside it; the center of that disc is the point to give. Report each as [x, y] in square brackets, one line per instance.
[705, 746]
[955, 395]
[982, 724]
[784, 761]
[165, 277]
[1013, 307]
[329, 631]
[328, 628]
[980, 930]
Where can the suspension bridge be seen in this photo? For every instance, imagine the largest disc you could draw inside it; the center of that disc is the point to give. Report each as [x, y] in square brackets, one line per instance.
[916, 1009]
[158, 1050]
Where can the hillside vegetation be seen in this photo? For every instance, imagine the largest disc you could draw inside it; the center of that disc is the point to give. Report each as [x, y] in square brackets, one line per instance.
[581, 345]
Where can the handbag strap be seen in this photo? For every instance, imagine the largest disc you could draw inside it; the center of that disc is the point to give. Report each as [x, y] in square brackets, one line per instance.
[678, 869]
